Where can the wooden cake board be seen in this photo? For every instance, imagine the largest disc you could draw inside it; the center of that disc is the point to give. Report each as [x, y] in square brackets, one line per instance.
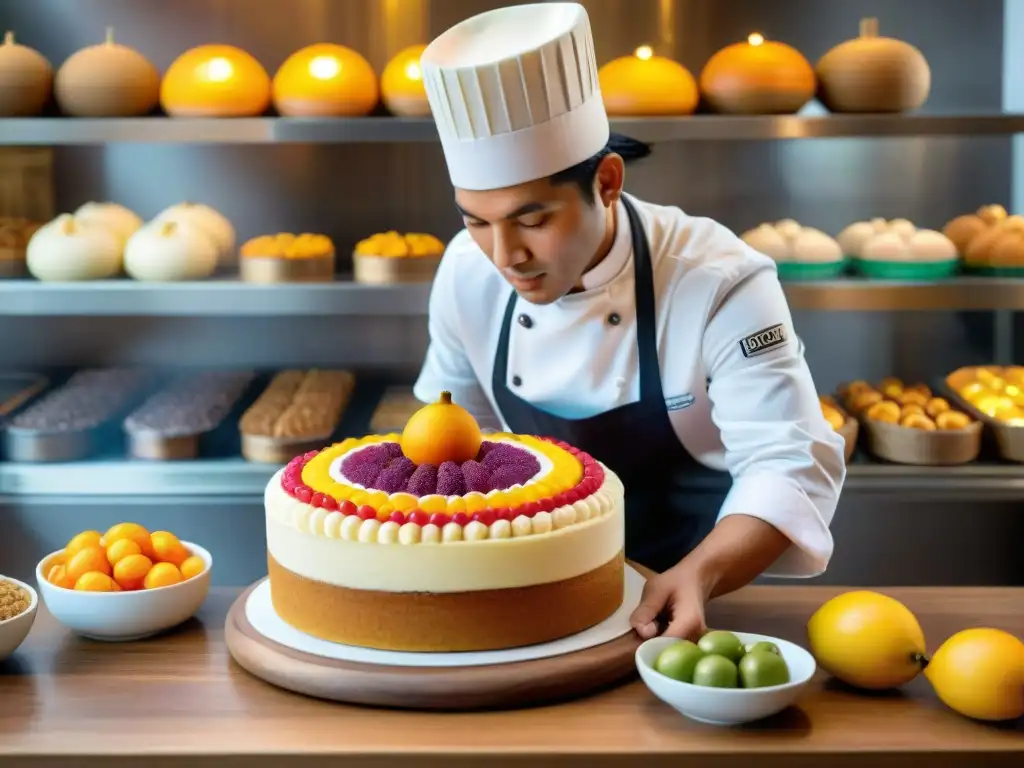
[492, 686]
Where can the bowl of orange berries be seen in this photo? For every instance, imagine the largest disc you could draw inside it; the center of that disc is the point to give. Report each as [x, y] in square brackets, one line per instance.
[125, 584]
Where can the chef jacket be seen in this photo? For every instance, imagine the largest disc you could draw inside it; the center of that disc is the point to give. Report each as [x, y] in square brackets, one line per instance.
[737, 387]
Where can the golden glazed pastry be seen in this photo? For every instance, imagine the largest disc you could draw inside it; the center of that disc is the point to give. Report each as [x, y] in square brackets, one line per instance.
[289, 246]
[913, 406]
[521, 543]
[988, 238]
[395, 244]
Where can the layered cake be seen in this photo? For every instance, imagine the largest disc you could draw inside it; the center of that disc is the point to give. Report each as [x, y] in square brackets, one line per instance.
[443, 539]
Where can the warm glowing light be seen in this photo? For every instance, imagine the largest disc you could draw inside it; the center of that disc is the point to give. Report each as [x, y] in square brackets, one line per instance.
[324, 67]
[644, 52]
[756, 38]
[218, 70]
[413, 71]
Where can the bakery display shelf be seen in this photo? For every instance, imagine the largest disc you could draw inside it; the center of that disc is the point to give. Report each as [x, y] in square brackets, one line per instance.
[235, 477]
[222, 296]
[267, 130]
[229, 297]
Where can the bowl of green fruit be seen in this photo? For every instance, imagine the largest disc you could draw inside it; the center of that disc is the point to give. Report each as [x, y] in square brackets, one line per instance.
[726, 678]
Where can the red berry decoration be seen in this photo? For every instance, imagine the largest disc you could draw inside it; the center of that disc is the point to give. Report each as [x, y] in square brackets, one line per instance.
[440, 519]
[460, 518]
[503, 514]
[419, 517]
[547, 505]
[347, 508]
[330, 503]
[366, 512]
[317, 500]
[485, 516]
[310, 455]
[397, 517]
[530, 509]
[304, 494]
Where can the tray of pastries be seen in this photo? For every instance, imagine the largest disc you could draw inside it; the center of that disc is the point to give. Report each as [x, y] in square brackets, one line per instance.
[169, 425]
[69, 423]
[288, 258]
[393, 257]
[909, 424]
[995, 396]
[17, 388]
[842, 422]
[298, 411]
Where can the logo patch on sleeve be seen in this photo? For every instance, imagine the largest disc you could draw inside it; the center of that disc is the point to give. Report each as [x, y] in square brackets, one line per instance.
[764, 341]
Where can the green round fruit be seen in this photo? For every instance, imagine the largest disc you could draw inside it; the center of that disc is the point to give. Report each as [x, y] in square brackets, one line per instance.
[714, 671]
[763, 669]
[722, 644]
[678, 660]
[763, 645]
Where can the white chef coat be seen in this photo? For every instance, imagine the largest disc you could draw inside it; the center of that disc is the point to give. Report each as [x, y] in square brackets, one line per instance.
[759, 419]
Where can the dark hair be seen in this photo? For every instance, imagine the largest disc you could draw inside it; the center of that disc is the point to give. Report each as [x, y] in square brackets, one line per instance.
[583, 174]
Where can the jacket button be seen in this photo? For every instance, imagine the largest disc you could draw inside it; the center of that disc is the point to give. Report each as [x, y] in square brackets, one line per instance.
[614, 319]
[525, 321]
[516, 381]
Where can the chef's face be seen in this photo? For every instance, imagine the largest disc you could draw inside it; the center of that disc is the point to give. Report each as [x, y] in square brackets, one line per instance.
[544, 236]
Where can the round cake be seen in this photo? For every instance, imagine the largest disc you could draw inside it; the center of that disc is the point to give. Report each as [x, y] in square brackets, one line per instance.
[520, 543]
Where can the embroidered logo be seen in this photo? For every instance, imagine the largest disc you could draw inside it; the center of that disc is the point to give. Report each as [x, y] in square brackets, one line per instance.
[679, 402]
[764, 340]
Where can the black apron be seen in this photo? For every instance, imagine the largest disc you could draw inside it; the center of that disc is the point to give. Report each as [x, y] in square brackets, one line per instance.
[672, 501]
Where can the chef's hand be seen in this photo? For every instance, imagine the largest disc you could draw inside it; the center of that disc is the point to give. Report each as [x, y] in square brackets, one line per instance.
[738, 550]
[678, 598]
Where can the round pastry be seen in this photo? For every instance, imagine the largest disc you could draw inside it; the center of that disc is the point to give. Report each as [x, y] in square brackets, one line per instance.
[401, 84]
[206, 218]
[989, 239]
[643, 84]
[757, 76]
[215, 81]
[107, 80]
[521, 544]
[26, 79]
[326, 80]
[787, 241]
[122, 221]
[895, 240]
[70, 249]
[170, 251]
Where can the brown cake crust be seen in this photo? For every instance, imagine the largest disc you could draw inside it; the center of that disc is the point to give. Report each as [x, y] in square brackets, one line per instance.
[447, 622]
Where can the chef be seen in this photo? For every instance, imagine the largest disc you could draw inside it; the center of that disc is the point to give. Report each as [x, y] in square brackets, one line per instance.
[656, 341]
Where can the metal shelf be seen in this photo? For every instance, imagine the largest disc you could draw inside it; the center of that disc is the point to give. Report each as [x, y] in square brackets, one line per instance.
[229, 297]
[269, 130]
[218, 297]
[238, 478]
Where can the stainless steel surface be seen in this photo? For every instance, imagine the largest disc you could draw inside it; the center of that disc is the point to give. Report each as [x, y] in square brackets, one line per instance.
[206, 478]
[268, 130]
[33, 446]
[211, 298]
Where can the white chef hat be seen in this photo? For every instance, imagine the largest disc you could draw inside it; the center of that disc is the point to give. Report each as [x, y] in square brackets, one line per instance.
[515, 95]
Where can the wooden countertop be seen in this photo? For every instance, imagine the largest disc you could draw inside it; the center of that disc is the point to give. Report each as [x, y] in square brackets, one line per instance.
[181, 700]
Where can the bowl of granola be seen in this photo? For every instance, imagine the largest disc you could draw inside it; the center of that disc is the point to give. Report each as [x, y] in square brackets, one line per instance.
[18, 604]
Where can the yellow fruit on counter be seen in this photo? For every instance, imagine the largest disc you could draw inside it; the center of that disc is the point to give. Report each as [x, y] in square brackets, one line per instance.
[868, 640]
[980, 674]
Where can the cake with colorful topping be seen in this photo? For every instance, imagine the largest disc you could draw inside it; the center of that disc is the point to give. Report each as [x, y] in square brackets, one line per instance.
[444, 539]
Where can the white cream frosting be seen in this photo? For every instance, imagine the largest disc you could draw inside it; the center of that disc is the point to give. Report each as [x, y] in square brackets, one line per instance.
[338, 549]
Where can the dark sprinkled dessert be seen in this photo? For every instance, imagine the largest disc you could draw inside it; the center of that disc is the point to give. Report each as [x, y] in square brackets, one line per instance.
[87, 400]
[192, 405]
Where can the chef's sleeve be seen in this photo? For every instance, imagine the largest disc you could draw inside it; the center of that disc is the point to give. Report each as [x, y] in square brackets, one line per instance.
[447, 366]
[786, 461]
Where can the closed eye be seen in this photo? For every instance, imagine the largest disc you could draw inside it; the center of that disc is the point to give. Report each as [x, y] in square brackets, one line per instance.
[536, 223]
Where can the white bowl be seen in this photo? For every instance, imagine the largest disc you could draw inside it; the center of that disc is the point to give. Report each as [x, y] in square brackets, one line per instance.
[726, 706]
[126, 615]
[13, 631]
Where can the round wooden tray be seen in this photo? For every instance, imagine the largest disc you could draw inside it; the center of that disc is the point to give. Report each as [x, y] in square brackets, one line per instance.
[495, 686]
